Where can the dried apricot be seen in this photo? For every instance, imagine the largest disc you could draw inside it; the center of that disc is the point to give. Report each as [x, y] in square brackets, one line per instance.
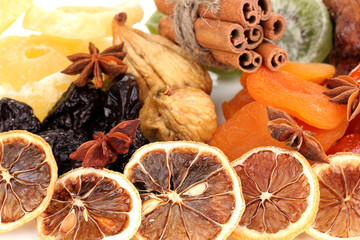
[247, 129]
[300, 98]
[231, 107]
[313, 72]
[349, 143]
[355, 73]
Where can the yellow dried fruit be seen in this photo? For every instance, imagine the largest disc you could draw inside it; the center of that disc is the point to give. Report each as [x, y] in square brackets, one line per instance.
[170, 114]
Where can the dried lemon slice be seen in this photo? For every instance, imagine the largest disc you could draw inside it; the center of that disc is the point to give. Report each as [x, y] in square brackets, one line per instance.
[339, 212]
[28, 173]
[91, 203]
[189, 191]
[80, 22]
[281, 194]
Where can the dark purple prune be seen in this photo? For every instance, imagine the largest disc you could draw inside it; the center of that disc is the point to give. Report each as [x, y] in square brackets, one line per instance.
[63, 143]
[123, 159]
[16, 115]
[119, 102]
[74, 109]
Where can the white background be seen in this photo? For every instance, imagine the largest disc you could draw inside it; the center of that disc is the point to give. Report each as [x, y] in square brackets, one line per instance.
[223, 90]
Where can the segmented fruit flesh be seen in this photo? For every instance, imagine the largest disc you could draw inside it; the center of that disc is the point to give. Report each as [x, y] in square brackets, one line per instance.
[186, 194]
[338, 214]
[24, 176]
[275, 196]
[87, 205]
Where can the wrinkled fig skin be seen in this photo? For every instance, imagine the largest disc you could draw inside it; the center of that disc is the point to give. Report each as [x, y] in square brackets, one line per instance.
[16, 115]
[119, 102]
[64, 142]
[171, 114]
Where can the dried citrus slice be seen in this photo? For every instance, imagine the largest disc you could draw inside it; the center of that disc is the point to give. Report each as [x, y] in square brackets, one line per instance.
[91, 203]
[339, 211]
[28, 173]
[189, 191]
[281, 194]
[80, 22]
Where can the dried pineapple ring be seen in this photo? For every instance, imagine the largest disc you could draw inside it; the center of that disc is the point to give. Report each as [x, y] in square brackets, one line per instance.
[80, 22]
[11, 10]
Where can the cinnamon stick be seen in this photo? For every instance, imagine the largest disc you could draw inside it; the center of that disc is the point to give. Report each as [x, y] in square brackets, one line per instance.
[254, 36]
[274, 27]
[209, 33]
[273, 56]
[243, 12]
[246, 61]
[264, 7]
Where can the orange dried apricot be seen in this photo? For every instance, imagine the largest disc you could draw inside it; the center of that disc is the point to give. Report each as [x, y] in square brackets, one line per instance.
[300, 98]
[313, 72]
[240, 100]
[247, 129]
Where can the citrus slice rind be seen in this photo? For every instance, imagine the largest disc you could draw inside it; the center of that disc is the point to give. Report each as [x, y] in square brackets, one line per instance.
[339, 212]
[281, 194]
[91, 203]
[28, 173]
[188, 189]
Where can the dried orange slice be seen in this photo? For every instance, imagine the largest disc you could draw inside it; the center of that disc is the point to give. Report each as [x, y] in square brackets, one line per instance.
[28, 173]
[281, 194]
[91, 203]
[339, 210]
[189, 191]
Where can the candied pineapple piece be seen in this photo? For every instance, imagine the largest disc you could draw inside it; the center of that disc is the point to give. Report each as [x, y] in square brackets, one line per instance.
[10, 10]
[78, 22]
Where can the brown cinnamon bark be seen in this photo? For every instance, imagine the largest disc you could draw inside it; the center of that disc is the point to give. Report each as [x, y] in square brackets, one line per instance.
[244, 12]
[212, 34]
[273, 56]
[246, 61]
[264, 7]
[254, 36]
[274, 27]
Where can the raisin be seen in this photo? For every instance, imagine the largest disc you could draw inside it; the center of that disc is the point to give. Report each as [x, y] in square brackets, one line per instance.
[63, 143]
[123, 159]
[119, 102]
[74, 109]
[16, 115]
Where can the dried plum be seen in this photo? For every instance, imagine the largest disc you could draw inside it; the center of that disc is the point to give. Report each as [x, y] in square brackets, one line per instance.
[16, 115]
[64, 142]
[119, 102]
[123, 159]
[74, 109]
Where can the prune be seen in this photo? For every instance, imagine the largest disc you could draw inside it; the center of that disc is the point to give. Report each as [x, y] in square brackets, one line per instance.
[16, 115]
[74, 109]
[119, 102]
[63, 143]
[123, 159]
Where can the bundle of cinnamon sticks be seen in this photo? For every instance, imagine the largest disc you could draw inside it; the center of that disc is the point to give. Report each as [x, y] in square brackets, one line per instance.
[236, 35]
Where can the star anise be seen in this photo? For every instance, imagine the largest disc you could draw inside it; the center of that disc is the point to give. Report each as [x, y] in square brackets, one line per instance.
[345, 90]
[104, 148]
[284, 128]
[94, 64]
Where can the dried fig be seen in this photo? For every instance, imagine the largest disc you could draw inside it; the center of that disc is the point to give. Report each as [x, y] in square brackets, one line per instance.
[154, 60]
[171, 114]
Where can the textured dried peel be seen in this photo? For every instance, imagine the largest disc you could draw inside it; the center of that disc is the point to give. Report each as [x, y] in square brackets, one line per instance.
[338, 215]
[28, 173]
[91, 204]
[280, 191]
[189, 191]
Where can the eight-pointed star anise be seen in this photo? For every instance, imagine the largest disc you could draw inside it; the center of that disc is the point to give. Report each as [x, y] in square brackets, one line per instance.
[104, 149]
[345, 90]
[284, 128]
[94, 64]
